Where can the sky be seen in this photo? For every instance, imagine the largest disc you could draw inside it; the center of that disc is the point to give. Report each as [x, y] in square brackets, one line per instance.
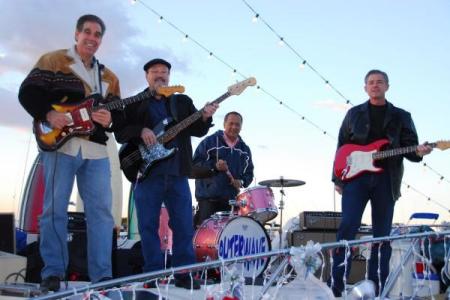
[292, 121]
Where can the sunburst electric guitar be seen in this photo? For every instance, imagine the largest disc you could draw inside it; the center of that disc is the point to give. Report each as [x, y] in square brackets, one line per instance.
[137, 160]
[50, 139]
[352, 160]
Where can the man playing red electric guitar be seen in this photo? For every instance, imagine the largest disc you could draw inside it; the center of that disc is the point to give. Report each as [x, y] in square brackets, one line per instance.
[363, 124]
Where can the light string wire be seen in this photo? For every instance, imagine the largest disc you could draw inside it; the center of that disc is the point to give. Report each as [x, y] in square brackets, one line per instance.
[303, 118]
[305, 62]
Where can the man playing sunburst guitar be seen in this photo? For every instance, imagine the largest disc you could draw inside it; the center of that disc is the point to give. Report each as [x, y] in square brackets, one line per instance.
[167, 181]
[63, 78]
[364, 124]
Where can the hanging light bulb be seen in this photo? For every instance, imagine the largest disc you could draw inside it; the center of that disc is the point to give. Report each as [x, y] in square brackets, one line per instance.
[302, 65]
[185, 38]
[133, 2]
[281, 42]
[160, 19]
[255, 18]
[327, 84]
[210, 55]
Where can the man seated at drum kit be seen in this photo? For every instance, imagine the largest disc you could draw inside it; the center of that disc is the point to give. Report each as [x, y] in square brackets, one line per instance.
[230, 160]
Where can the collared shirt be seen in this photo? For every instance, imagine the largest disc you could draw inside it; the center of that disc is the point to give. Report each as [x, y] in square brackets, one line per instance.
[171, 166]
[229, 142]
[89, 150]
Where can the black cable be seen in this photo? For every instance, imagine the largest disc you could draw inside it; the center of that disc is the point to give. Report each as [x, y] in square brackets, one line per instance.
[53, 222]
[17, 274]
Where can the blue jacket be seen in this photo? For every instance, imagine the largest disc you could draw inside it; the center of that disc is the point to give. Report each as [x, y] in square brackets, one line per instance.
[239, 160]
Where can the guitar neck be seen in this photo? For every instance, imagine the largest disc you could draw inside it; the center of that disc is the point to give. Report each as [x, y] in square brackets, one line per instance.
[396, 152]
[173, 131]
[116, 104]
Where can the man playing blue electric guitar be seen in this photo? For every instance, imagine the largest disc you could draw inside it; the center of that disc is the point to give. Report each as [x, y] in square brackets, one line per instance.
[168, 180]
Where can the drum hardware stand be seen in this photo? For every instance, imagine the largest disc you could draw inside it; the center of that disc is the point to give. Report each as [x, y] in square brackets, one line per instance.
[281, 183]
[281, 210]
[233, 204]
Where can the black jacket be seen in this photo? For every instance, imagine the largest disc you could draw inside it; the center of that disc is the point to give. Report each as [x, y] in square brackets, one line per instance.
[398, 128]
[136, 117]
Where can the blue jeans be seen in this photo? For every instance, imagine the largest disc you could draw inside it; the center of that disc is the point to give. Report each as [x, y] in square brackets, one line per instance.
[94, 185]
[175, 193]
[356, 194]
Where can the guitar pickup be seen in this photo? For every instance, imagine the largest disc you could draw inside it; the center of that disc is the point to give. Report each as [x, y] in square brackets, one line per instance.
[84, 114]
[69, 116]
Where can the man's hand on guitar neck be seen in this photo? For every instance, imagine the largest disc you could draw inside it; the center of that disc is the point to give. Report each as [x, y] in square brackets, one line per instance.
[148, 137]
[209, 110]
[57, 119]
[423, 149]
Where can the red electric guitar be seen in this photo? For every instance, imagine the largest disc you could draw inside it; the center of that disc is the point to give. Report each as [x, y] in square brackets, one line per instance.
[352, 160]
[50, 139]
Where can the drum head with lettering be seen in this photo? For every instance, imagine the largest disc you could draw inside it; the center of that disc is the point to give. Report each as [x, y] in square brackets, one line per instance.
[243, 236]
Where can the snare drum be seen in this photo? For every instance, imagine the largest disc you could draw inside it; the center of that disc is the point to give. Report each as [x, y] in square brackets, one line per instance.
[222, 236]
[258, 203]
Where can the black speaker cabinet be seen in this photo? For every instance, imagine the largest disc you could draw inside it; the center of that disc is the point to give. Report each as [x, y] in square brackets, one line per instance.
[299, 238]
[7, 233]
[77, 269]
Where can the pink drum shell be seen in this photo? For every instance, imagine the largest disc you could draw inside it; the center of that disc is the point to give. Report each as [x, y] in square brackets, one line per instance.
[257, 202]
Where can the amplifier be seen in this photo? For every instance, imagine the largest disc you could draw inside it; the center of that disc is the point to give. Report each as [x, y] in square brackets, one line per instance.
[76, 222]
[298, 238]
[328, 220]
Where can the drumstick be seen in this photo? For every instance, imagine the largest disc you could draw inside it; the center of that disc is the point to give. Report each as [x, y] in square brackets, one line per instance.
[230, 176]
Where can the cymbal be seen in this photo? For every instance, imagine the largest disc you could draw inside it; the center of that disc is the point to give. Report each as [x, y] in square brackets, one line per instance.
[281, 182]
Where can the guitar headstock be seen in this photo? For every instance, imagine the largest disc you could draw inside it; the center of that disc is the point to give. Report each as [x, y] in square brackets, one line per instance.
[442, 145]
[167, 91]
[238, 88]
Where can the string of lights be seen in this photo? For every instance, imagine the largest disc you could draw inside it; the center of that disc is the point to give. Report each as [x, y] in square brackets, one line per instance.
[408, 186]
[234, 70]
[304, 63]
[441, 177]
[282, 41]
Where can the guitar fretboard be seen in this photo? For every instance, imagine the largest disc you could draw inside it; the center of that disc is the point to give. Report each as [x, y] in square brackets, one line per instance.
[396, 152]
[173, 131]
[123, 102]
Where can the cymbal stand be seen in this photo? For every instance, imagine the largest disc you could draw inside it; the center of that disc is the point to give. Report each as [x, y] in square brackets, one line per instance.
[281, 206]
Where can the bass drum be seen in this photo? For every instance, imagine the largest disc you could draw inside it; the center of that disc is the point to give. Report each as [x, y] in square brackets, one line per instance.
[222, 236]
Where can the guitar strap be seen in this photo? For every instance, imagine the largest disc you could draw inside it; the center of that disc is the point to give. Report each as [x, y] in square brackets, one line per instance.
[173, 107]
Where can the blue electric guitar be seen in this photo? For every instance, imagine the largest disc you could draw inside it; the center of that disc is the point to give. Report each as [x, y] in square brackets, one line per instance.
[136, 161]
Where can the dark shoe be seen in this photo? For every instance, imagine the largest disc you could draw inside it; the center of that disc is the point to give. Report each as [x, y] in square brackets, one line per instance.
[337, 293]
[152, 283]
[50, 283]
[187, 283]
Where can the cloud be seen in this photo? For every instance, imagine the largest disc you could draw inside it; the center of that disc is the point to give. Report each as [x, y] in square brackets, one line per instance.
[12, 114]
[32, 28]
